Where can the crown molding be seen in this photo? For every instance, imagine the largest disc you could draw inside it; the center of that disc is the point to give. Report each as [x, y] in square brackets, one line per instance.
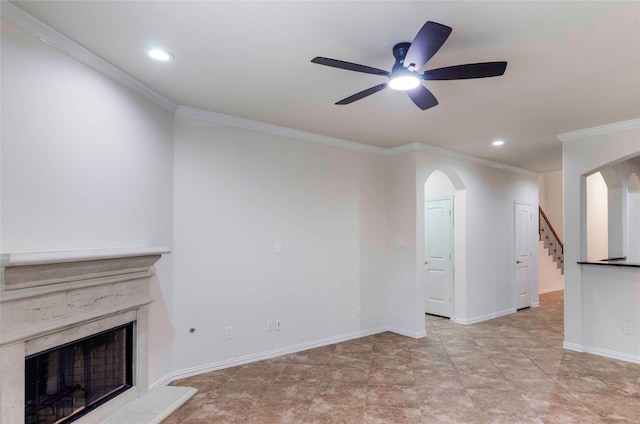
[234, 121]
[467, 158]
[83, 55]
[600, 130]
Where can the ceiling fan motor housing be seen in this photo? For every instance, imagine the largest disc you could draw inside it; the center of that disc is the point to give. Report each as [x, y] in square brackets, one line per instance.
[399, 52]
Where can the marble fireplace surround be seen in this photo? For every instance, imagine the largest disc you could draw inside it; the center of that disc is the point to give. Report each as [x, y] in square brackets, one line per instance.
[51, 298]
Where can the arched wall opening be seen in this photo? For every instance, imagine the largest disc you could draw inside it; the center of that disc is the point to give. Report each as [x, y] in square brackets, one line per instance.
[612, 209]
[597, 217]
[633, 212]
[445, 183]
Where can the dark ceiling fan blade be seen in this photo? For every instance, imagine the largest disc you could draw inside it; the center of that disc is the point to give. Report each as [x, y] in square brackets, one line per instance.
[348, 66]
[428, 41]
[468, 71]
[362, 94]
[422, 97]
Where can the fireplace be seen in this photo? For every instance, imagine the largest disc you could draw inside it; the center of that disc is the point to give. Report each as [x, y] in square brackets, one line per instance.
[73, 333]
[66, 382]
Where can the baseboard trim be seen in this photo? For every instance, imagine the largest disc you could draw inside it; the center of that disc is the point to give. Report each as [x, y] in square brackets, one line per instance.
[552, 289]
[607, 353]
[573, 346]
[242, 360]
[409, 333]
[468, 321]
[614, 355]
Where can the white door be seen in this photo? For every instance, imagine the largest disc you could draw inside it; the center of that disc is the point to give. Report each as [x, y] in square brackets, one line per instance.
[438, 252]
[523, 254]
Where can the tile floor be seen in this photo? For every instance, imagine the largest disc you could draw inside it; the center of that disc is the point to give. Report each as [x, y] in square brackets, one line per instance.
[508, 370]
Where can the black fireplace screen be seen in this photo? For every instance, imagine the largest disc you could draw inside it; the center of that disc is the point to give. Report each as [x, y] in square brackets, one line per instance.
[66, 382]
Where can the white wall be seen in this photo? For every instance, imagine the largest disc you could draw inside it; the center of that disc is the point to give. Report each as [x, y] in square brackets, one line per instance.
[348, 224]
[610, 295]
[597, 218]
[486, 279]
[406, 316]
[633, 205]
[438, 184]
[550, 193]
[598, 301]
[85, 164]
[238, 192]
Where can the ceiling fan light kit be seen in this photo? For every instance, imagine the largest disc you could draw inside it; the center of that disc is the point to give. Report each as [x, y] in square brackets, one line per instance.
[410, 57]
[403, 81]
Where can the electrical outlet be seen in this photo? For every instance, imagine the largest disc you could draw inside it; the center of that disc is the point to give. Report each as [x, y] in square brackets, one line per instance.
[270, 325]
[278, 325]
[359, 311]
[229, 333]
[627, 329]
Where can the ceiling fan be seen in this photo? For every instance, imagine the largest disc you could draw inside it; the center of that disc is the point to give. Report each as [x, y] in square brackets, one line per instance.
[410, 57]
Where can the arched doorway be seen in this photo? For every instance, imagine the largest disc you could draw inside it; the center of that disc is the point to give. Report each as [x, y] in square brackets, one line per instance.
[633, 212]
[444, 217]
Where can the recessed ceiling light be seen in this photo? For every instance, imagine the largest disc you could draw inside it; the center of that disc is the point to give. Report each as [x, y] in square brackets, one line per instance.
[160, 55]
[497, 143]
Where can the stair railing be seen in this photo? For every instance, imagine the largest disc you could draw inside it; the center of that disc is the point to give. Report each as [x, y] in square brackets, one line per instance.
[551, 240]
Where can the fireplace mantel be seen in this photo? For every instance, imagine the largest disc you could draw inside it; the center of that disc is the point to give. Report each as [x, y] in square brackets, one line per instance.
[52, 298]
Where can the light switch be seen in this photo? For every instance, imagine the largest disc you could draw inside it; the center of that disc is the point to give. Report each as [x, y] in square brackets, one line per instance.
[278, 247]
[399, 241]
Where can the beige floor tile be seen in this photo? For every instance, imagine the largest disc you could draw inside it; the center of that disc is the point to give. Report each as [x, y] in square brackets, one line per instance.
[512, 370]
[385, 415]
[300, 391]
[391, 377]
[282, 412]
[499, 401]
[442, 379]
[303, 372]
[346, 375]
[220, 412]
[451, 416]
[611, 407]
[435, 400]
[485, 380]
[392, 396]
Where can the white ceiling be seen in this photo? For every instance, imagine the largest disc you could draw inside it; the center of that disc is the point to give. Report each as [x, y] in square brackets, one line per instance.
[571, 65]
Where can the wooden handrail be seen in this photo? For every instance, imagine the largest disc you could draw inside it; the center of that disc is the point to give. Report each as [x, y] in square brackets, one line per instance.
[546, 219]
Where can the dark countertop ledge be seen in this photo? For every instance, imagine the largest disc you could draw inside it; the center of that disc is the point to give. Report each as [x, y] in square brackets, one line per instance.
[619, 262]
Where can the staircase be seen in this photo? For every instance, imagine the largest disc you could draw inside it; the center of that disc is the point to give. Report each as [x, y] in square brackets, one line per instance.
[550, 240]
[549, 277]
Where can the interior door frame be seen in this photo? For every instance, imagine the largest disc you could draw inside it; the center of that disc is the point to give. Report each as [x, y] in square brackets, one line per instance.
[452, 199]
[515, 255]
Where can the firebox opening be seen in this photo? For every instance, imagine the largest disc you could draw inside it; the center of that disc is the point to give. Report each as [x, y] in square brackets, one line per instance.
[65, 383]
